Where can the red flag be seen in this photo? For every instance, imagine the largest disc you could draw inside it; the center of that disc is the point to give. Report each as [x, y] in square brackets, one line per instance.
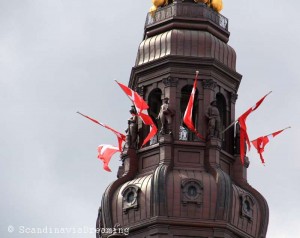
[141, 105]
[148, 121]
[243, 127]
[105, 152]
[188, 115]
[137, 100]
[121, 137]
[262, 141]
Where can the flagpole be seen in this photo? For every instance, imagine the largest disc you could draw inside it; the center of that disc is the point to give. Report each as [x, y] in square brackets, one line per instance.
[93, 120]
[275, 132]
[229, 126]
[280, 130]
[81, 114]
[269, 93]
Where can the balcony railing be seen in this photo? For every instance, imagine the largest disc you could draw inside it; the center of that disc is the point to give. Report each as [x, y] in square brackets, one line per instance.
[187, 10]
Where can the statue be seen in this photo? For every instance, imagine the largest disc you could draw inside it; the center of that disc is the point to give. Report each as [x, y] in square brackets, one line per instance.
[165, 115]
[132, 131]
[237, 139]
[213, 116]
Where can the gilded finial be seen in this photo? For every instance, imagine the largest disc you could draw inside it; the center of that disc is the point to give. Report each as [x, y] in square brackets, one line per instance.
[157, 4]
[217, 5]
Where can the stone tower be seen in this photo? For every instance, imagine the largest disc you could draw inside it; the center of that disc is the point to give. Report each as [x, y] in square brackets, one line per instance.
[178, 185]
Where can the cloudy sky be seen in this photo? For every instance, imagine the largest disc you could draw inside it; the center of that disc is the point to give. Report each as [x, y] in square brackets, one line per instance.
[61, 56]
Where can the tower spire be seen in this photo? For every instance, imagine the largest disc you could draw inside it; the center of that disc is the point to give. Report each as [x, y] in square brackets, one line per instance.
[178, 185]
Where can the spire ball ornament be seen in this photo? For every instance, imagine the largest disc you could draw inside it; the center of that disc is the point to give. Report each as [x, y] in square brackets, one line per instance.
[217, 5]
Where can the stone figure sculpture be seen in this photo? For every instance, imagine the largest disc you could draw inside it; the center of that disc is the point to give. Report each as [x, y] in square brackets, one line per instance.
[132, 131]
[213, 116]
[165, 116]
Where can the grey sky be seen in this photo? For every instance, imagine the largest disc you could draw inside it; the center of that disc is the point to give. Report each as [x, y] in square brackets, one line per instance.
[61, 56]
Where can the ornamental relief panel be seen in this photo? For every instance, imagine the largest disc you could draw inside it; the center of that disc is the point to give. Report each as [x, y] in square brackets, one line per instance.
[246, 206]
[192, 192]
[130, 198]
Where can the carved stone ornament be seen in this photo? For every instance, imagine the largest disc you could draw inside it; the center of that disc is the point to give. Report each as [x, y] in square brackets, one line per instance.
[140, 90]
[209, 84]
[247, 204]
[130, 198]
[234, 97]
[246, 162]
[170, 82]
[192, 192]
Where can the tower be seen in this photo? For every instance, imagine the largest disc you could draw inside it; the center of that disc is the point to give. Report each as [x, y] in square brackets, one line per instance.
[179, 185]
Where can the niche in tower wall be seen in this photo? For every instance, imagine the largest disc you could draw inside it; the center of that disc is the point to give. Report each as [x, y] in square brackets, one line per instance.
[246, 206]
[130, 199]
[184, 133]
[191, 191]
[221, 104]
[155, 102]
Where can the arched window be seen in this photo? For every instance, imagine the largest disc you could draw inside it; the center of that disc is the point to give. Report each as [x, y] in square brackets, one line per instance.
[221, 104]
[184, 132]
[154, 102]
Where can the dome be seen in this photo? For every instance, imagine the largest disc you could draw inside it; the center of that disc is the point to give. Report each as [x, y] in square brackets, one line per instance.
[187, 43]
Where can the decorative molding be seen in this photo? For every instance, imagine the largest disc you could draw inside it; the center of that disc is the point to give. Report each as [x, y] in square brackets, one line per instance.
[191, 190]
[140, 90]
[170, 82]
[130, 198]
[209, 84]
[234, 97]
[246, 162]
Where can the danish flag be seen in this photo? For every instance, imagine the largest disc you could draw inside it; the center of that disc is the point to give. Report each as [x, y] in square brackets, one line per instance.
[243, 127]
[188, 115]
[147, 120]
[141, 107]
[262, 141]
[137, 100]
[105, 152]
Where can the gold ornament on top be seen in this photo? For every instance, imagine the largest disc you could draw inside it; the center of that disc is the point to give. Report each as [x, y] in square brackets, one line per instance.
[157, 4]
[217, 5]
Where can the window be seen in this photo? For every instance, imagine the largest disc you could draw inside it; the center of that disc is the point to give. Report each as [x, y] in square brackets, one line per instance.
[154, 102]
[130, 198]
[221, 104]
[192, 191]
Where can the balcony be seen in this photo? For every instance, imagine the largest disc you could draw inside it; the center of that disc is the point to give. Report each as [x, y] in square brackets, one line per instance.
[187, 11]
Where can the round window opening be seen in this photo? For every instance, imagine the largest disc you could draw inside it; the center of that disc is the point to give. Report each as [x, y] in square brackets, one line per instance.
[130, 197]
[192, 191]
